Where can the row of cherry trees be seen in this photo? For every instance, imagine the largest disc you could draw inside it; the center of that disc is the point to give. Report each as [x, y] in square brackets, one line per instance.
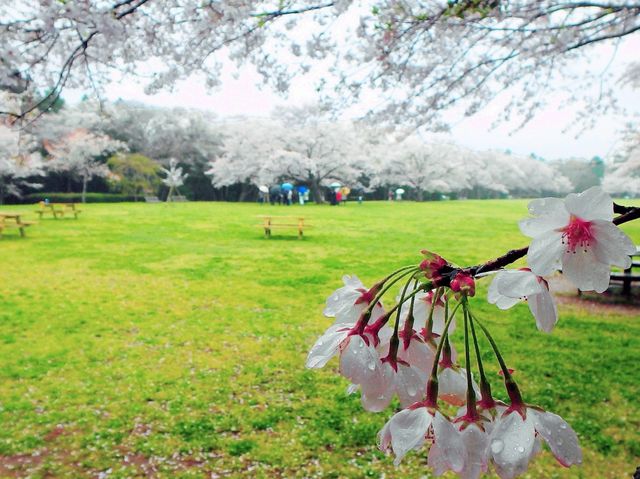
[235, 156]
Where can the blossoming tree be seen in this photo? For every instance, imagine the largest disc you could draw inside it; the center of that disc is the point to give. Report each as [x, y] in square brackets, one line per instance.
[175, 178]
[407, 350]
[19, 161]
[78, 154]
[425, 56]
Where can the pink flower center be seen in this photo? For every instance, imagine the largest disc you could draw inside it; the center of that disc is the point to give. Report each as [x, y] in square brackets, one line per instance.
[577, 234]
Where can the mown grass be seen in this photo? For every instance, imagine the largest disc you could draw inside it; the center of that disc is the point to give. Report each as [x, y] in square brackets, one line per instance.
[169, 341]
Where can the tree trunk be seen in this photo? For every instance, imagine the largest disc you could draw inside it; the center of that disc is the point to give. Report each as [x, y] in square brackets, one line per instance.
[419, 194]
[85, 180]
[245, 189]
[316, 191]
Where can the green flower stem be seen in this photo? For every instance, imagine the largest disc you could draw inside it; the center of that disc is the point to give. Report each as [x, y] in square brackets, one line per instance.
[429, 326]
[432, 383]
[395, 341]
[388, 284]
[510, 384]
[471, 394]
[485, 387]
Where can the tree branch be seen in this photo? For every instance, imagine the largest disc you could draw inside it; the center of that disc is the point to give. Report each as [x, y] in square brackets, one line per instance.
[631, 213]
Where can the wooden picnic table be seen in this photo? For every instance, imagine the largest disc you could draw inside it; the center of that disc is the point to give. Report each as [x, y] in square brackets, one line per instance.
[270, 222]
[14, 221]
[627, 276]
[57, 209]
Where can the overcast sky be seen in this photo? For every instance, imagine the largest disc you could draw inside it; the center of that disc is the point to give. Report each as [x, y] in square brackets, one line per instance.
[545, 135]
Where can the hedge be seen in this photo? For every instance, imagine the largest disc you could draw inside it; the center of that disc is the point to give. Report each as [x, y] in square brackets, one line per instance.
[77, 198]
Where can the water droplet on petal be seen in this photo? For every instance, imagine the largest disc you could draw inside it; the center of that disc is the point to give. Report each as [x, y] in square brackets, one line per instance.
[559, 442]
[371, 365]
[361, 344]
[563, 426]
[497, 446]
[520, 449]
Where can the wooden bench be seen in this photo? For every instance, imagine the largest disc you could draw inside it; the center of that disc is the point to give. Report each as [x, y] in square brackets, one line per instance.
[627, 277]
[17, 223]
[58, 210]
[151, 199]
[178, 199]
[284, 222]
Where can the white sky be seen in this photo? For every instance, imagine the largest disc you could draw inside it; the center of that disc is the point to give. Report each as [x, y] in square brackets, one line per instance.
[544, 135]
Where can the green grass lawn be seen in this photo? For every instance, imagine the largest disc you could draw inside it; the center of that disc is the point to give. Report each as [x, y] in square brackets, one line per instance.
[156, 340]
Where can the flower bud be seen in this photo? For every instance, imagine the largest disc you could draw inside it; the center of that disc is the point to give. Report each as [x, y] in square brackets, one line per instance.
[464, 284]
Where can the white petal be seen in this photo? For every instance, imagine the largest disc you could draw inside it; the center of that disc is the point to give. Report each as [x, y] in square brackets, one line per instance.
[408, 429]
[512, 442]
[551, 215]
[384, 438]
[326, 346]
[418, 355]
[562, 440]
[476, 445]
[585, 271]
[500, 300]
[439, 321]
[517, 283]
[452, 386]
[592, 204]
[612, 245]
[345, 297]
[410, 384]
[545, 253]
[378, 390]
[449, 443]
[543, 307]
[358, 361]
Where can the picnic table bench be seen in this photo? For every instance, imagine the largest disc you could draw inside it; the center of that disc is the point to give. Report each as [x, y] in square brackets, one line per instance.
[270, 222]
[13, 220]
[627, 277]
[57, 209]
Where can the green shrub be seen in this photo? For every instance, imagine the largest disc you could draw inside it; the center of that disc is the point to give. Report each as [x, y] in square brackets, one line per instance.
[76, 198]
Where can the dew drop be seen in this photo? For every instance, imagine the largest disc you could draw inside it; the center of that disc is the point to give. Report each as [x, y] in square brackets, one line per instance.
[497, 446]
[559, 442]
[371, 365]
[520, 449]
[563, 426]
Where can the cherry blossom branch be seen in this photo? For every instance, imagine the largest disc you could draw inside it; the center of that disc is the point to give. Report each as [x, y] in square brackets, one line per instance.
[627, 214]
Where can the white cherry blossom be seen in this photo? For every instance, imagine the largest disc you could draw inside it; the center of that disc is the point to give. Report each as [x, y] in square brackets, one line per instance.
[346, 304]
[511, 286]
[577, 234]
[514, 441]
[408, 430]
[452, 385]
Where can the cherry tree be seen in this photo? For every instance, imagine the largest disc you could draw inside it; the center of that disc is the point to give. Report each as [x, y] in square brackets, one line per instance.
[426, 57]
[624, 177]
[430, 168]
[19, 161]
[78, 154]
[250, 149]
[175, 178]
